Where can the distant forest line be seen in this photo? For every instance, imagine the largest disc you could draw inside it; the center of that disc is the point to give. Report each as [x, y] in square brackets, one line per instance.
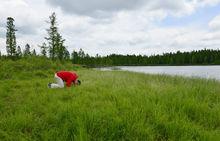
[54, 48]
[200, 57]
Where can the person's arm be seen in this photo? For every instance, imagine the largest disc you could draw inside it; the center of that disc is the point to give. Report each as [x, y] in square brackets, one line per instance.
[69, 82]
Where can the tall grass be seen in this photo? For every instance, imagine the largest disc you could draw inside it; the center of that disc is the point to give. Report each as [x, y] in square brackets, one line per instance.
[107, 106]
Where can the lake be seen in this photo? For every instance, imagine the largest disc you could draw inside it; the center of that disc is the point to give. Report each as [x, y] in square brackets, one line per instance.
[210, 72]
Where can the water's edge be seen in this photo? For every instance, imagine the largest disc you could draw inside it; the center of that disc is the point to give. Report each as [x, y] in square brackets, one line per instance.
[208, 72]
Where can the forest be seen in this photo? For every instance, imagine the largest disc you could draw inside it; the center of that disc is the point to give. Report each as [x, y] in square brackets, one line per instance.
[201, 57]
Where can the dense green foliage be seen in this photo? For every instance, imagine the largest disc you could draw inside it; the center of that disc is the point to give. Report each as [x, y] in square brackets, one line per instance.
[201, 57]
[27, 50]
[107, 106]
[10, 37]
[56, 47]
[19, 52]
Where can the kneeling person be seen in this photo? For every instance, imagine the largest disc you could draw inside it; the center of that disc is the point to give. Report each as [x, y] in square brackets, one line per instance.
[65, 76]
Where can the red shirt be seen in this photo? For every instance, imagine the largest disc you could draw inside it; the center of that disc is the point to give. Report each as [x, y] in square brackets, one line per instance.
[67, 76]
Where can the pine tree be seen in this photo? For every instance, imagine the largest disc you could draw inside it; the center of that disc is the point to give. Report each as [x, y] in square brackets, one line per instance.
[82, 53]
[27, 51]
[52, 32]
[10, 37]
[55, 42]
[19, 53]
[75, 57]
[66, 55]
[43, 48]
[34, 53]
[60, 48]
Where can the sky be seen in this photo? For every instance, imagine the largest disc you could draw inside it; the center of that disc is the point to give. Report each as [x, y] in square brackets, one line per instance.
[105, 27]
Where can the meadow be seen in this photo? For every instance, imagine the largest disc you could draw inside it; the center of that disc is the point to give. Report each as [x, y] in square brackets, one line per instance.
[109, 105]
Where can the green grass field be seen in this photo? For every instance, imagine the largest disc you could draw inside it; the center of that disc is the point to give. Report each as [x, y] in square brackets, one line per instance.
[107, 106]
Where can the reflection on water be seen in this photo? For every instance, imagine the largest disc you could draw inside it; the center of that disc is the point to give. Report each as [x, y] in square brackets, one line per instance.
[212, 72]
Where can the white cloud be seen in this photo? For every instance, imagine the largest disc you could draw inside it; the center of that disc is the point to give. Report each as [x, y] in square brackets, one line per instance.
[207, 2]
[215, 23]
[95, 8]
[102, 8]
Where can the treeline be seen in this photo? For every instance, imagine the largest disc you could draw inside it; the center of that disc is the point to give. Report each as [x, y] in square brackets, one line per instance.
[53, 47]
[201, 57]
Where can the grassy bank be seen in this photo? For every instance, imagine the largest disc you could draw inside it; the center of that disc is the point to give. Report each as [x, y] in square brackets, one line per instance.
[107, 106]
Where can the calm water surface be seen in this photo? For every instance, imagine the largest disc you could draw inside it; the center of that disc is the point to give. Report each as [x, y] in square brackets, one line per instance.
[212, 72]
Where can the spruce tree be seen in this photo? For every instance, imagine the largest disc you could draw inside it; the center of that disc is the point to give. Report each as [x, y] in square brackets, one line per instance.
[34, 53]
[66, 55]
[82, 53]
[52, 32]
[75, 57]
[55, 42]
[27, 51]
[43, 48]
[19, 53]
[10, 37]
[60, 48]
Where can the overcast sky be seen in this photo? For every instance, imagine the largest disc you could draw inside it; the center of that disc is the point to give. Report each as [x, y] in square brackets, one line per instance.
[117, 26]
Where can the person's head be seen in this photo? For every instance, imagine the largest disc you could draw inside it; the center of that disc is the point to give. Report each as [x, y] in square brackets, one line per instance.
[77, 82]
